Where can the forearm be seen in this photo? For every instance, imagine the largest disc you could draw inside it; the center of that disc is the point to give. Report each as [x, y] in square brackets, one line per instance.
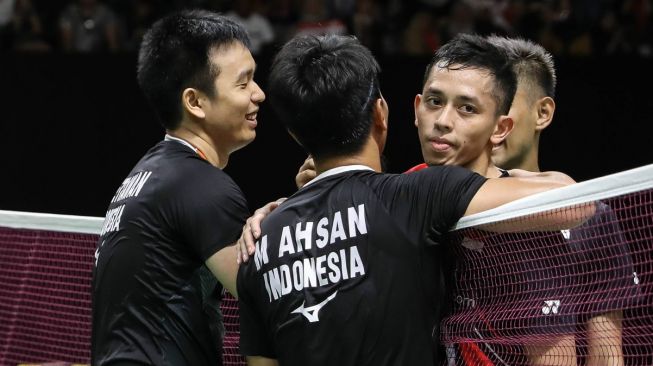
[261, 361]
[224, 268]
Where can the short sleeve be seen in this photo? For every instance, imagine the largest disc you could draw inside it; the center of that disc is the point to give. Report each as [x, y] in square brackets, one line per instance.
[212, 211]
[432, 200]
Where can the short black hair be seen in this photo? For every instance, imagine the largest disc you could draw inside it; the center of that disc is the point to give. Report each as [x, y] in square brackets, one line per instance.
[323, 89]
[473, 51]
[531, 62]
[174, 55]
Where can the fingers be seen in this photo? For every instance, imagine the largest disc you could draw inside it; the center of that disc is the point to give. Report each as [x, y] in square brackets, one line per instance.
[254, 222]
[307, 172]
[252, 230]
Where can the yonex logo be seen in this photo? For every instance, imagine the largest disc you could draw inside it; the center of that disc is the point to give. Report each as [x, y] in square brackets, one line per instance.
[566, 234]
[311, 312]
[550, 307]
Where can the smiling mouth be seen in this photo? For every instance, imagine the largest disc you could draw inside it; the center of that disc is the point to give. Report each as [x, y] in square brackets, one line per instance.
[251, 116]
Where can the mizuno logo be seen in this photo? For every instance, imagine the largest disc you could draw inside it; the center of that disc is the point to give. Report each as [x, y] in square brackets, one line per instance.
[311, 312]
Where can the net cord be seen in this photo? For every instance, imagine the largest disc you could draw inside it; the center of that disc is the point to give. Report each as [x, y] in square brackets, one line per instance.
[613, 185]
[51, 222]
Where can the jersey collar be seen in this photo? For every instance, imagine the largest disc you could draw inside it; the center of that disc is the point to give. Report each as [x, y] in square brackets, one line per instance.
[181, 141]
[338, 170]
[184, 142]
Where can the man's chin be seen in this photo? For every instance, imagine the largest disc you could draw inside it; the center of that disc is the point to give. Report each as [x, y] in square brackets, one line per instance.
[245, 140]
[436, 161]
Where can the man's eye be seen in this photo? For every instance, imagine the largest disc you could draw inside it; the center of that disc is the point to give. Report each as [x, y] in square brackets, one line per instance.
[468, 108]
[434, 101]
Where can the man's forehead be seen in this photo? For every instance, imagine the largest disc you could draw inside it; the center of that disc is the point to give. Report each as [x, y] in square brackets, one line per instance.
[456, 76]
[234, 57]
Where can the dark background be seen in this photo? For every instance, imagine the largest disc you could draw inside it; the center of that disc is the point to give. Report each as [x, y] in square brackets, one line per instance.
[72, 126]
[73, 121]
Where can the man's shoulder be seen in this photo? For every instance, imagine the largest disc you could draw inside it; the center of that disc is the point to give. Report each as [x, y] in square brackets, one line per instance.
[177, 170]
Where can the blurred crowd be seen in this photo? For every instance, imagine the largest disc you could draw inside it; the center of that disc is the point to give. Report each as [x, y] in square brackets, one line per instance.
[572, 28]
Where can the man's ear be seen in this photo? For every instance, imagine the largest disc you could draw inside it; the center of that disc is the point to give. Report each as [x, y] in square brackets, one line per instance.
[545, 109]
[380, 114]
[502, 130]
[416, 103]
[193, 101]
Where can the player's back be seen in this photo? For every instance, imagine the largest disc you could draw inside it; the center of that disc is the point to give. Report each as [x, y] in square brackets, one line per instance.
[344, 273]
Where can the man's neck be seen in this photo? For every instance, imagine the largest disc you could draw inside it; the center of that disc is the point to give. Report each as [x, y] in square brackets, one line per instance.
[530, 164]
[368, 156]
[484, 166]
[488, 171]
[203, 143]
[322, 166]
[530, 161]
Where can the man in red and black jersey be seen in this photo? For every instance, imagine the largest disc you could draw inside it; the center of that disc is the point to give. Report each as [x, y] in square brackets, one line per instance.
[548, 293]
[170, 227]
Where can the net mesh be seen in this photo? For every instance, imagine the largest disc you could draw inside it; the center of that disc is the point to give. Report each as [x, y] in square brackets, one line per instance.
[45, 281]
[230, 352]
[542, 295]
[555, 297]
[45, 286]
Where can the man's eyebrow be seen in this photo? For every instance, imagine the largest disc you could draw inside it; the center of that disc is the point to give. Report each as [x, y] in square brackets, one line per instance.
[432, 90]
[467, 98]
[245, 74]
[462, 98]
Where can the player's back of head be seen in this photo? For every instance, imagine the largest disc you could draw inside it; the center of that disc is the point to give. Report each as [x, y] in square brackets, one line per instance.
[323, 89]
[467, 51]
[531, 62]
[174, 55]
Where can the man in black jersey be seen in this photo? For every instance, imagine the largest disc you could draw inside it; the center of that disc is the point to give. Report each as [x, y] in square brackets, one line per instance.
[177, 212]
[346, 270]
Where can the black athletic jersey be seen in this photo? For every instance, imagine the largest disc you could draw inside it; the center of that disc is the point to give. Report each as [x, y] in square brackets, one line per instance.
[345, 272]
[172, 212]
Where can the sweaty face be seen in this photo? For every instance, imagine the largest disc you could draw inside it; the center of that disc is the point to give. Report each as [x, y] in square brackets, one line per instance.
[513, 151]
[232, 111]
[455, 116]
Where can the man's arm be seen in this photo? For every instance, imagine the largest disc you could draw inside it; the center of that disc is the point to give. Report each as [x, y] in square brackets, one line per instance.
[261, 361]
[224, 268]
[520, 184]
[500, 191]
